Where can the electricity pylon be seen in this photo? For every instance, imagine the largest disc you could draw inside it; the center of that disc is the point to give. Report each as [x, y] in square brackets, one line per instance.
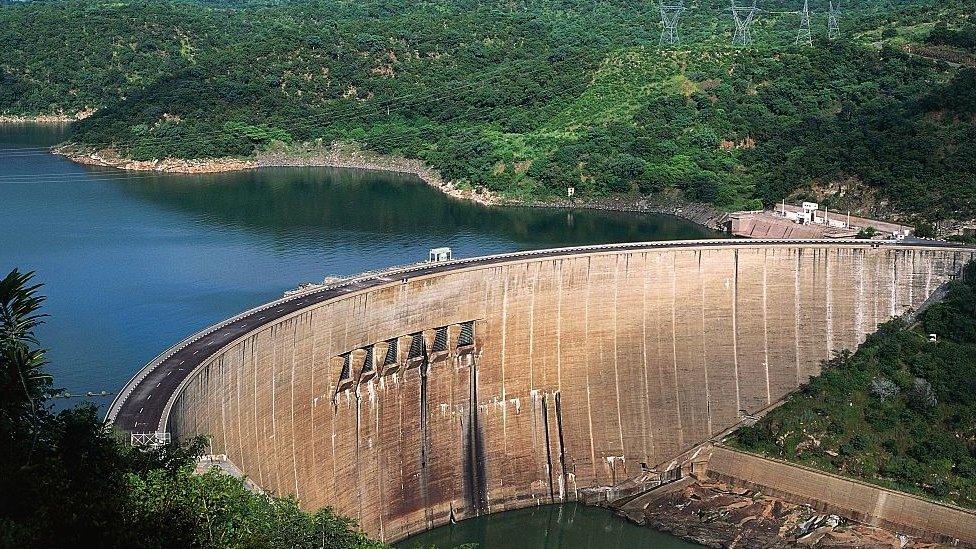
[803, 36]
[744, 17]
[669, 22]
[833, 21]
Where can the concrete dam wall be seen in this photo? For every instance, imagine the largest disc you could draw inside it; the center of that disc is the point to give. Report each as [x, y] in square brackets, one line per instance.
[489, 385]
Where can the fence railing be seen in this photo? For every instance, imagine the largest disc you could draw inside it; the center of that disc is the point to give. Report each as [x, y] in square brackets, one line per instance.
[155, 438]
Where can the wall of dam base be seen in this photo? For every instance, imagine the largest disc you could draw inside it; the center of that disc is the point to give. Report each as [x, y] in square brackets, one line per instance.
[866, 503]
[488, 387]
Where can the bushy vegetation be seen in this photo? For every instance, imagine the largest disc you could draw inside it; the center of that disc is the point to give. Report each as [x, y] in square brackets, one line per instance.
[963, 37]
[525, 97]
[901, 412]
[67, 480]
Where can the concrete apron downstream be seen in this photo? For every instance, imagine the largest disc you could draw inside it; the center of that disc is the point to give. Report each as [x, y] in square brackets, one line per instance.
[415, 396]
[826, 493]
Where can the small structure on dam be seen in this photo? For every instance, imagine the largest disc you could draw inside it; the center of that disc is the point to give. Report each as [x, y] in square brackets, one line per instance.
[808, 221]
[412, 397]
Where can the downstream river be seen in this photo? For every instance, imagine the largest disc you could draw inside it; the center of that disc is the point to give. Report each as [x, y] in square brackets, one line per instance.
[568, 526]
[133, 262]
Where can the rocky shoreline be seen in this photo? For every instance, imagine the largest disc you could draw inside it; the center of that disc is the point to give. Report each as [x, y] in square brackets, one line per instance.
[111, 159]
[55, 118]
[700, 214]
[52, 119]
[352, 156]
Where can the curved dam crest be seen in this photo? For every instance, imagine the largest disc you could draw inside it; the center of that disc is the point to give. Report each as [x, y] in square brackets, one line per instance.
[438, 393]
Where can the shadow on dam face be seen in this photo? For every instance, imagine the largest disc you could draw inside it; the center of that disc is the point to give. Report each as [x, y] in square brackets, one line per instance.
[487, 387]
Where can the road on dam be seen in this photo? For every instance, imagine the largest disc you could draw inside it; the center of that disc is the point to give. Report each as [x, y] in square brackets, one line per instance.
[142, 405]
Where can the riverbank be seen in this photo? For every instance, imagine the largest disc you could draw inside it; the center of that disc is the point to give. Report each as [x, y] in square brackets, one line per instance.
[354, 157]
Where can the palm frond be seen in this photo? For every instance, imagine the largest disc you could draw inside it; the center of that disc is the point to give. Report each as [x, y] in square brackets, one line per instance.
[19, 306]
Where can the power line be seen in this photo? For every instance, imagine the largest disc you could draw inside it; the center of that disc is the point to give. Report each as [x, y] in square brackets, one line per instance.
[804, 37]
[670, 14]
[833, 21]
[669, 22]
[744, 17]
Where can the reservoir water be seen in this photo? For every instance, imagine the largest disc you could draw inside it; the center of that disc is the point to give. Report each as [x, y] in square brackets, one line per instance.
[133, 262]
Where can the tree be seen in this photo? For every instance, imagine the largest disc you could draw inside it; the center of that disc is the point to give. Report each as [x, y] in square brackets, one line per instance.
[23, 384]
[925, 230]
[867, 233]
[629, 169]
[67, 479]
[884, 388]
[467, 88]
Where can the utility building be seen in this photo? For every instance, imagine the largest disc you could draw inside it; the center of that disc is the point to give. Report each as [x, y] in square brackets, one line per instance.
[439, 254]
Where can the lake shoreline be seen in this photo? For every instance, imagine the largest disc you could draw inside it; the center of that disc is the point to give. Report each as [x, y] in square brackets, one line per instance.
[16, 120]
[353, 157]
[58, 118]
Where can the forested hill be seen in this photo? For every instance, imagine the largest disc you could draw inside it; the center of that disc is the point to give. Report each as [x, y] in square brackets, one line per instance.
[528, 97]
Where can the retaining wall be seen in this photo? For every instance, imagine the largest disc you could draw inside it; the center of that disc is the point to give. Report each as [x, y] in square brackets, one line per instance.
[846, 497]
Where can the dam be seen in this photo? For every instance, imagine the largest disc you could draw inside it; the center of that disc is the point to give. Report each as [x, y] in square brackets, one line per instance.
[412, 397]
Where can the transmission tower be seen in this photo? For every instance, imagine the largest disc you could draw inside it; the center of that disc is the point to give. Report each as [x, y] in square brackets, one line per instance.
[744, 17]
[669, 22]
[803, 36]
[833, 21]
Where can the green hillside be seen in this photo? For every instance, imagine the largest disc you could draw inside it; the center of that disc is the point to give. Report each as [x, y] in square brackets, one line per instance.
[528, 97]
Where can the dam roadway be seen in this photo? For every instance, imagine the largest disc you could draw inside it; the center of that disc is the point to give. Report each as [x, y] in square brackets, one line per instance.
[415, 396]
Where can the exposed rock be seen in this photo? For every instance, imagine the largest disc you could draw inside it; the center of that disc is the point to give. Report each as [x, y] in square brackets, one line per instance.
[110, 158]
[712, 514]
[54, 118]
[344, 155]
[702, 214]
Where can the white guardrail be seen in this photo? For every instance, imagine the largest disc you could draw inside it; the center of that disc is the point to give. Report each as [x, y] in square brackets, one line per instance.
[395, 271]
